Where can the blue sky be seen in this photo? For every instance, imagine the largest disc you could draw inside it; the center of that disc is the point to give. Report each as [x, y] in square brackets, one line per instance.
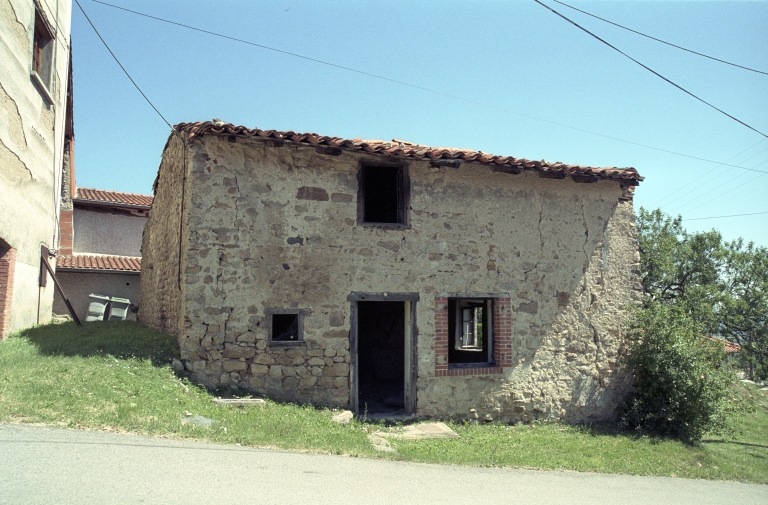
[514, 56]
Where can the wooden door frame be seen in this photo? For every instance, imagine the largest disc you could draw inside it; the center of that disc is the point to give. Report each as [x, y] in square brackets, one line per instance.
[411, 369]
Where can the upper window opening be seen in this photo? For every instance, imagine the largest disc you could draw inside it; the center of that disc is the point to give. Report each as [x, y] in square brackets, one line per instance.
[42, 51]
[470, 327]
[384, 195]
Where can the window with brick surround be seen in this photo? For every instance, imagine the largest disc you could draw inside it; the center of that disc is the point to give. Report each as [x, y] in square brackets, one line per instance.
[285, 326]
[473, 336]
[470, 332]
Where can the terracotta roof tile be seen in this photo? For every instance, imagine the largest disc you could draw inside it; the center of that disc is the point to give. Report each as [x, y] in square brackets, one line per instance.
[98, 262]
[730, 347]
[401, 148]
[116, 197]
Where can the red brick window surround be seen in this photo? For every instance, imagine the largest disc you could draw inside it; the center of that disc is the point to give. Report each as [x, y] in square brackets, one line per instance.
[501, 342]
[7, 268]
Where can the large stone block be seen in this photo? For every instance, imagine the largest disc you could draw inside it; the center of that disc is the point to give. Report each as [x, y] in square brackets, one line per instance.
[232, 365]
[337, 370]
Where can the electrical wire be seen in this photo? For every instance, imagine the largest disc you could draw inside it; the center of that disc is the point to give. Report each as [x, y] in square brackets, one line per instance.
[718, 217]
[725, 193]
[422, 88]
[125, 71]
[58, 28]
[702, 195]
[649, 69]
[703, 177]
[659, 40]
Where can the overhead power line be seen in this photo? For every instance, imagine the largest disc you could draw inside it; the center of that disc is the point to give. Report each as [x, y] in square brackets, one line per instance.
[718, 217]
[649, 68]
[659, 40]
[703, 180]
[422, 88]
[717, 188]
[123, 68]
[726, 192]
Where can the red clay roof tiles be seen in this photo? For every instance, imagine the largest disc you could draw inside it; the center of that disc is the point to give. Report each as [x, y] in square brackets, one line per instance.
[401, 148]
[98, 262]
[113, 197]
[730, 347]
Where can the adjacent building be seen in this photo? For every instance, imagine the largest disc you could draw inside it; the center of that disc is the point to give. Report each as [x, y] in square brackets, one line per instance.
[36, 144]
[100, 248]
[392, 277]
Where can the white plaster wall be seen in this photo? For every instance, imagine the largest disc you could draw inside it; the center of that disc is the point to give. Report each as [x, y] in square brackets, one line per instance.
[107, 232]
[31, 151]
[26, 293]
[78, 287]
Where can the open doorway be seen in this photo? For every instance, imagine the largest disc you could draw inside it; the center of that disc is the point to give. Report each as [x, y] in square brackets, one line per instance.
[381, 357]
[383, 352]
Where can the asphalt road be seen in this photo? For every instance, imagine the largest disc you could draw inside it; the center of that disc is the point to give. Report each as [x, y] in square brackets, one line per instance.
[43, 465]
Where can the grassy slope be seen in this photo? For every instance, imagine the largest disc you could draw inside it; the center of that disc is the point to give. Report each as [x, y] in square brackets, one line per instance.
[117, 376]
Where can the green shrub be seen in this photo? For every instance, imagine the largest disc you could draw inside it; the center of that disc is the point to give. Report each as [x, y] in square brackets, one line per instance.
[681, 383]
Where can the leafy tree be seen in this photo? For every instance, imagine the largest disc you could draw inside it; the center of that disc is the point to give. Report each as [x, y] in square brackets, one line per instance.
[743, 311]
[722, 286]
[681, 268]
[696, 285]
[682, 385]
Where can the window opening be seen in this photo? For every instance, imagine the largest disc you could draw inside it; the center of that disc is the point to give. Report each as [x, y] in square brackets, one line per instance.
[470, 326]
[384, 195]
[286, 326]
[42, 51]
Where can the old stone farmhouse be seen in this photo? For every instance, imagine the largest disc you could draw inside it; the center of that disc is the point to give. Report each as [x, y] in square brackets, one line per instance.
[391, 276]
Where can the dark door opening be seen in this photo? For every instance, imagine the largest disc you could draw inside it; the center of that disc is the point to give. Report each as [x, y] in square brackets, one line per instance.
[381, 357]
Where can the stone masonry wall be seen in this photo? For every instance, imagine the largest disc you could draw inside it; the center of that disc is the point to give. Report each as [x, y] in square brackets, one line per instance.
[160, 292]
[275, 226]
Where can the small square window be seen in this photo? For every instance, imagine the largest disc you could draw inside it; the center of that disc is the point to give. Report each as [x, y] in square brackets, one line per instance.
[383, 195]
[285, 326]
[42, 52]
[470, 330]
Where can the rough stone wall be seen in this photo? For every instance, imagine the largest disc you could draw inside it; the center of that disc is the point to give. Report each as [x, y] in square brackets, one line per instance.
[161, 293]
[276, 227]
[31, 151]
[107, 232]
[79, 285]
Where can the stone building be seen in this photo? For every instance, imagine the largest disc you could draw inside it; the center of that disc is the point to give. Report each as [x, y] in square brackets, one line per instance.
[390, 276]
[36, 142]
[100, 247]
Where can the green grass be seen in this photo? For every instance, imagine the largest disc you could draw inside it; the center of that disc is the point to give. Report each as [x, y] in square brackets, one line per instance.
[117, 376]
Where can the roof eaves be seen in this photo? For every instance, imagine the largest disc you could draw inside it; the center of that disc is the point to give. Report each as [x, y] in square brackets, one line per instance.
[399, 148]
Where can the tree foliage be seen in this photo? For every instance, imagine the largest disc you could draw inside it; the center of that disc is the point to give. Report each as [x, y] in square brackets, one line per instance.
[722, 286]
[696, 285]
[682, 384]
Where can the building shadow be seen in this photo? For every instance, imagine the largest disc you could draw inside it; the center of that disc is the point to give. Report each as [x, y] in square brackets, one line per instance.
[120, 339]
[709, 441]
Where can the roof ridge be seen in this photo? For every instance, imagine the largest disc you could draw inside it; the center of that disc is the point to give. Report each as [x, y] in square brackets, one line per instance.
[100, 254]
[402, 148]
[107, 262]
[114, 191]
